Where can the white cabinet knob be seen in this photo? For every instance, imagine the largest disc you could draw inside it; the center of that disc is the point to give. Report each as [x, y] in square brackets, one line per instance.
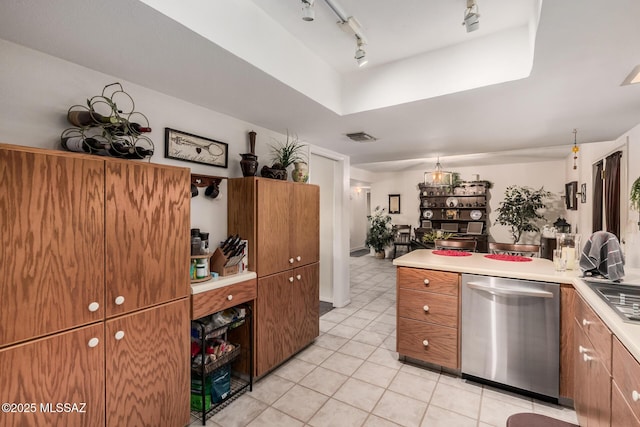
[586, 357]
[298, 258]
[635, 396]
[581, 349]
[585, 322]
[291, 279]
[298, 277]
[94, 306]
[93, 342]
[119, 335]
[425, 308]
[425, 343]
[229, 297]
[290, 260]
[119, 300]
[426, 281]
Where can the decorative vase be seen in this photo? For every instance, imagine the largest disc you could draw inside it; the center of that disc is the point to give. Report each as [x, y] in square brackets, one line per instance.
[249, 162]
[379, 255]
[273, 173]
[300, 172]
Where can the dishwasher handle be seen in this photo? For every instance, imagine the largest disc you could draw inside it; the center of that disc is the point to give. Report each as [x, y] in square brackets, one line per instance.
[510, 291]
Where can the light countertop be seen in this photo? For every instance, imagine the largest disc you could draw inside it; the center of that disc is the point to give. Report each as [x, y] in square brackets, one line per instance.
[538, 269]
[221, 281]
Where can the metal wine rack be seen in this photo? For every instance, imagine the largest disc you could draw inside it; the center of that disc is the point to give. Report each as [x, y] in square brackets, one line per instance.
[120, 136]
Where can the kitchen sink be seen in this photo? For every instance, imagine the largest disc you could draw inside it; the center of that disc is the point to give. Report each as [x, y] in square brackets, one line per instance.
[624, 299]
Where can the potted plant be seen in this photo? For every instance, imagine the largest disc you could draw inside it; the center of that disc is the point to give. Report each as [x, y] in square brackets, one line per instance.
[285, 154]
[380, 233]
[519, 209]
[634, 197]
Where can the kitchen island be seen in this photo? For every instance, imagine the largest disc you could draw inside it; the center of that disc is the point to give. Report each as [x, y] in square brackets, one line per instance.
[599, 369]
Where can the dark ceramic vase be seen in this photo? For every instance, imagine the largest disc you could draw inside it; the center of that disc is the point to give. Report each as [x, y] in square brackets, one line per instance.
[249, 164]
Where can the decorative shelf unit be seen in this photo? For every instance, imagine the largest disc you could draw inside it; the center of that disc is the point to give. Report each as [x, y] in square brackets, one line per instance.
[452, 209]
[204, 376]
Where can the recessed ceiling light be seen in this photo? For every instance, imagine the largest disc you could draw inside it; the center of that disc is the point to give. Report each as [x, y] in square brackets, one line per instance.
[633, 77]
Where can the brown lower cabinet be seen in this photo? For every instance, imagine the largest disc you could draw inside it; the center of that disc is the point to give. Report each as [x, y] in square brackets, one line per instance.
[287, 312]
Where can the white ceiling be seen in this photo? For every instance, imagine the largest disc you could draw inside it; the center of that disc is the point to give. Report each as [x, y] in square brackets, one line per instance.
[583, 51]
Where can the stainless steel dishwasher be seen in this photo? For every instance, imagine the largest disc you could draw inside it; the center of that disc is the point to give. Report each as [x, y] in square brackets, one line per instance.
[511, 332]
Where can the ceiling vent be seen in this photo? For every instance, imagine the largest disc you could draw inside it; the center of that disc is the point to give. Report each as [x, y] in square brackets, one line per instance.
[361, 137]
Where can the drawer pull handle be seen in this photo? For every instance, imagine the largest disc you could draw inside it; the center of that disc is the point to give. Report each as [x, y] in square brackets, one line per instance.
[298, 258]
[426, 282]
[582, 349]
[119, 300]
[94, 306]
[93, 342]
[298, 277]
[119, 335]
[425, 343]
[585, 322]
[229, 297]
[586, 357]
[425, 308]
[291, 279]
[635, 396]
[290, 260]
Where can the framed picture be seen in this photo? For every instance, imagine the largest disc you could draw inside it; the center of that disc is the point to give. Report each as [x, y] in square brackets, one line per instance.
[571, 195]
[583, 193]
[196, 149]
[394, 203]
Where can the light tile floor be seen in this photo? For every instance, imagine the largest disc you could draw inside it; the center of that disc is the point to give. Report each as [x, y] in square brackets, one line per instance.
[350, 376]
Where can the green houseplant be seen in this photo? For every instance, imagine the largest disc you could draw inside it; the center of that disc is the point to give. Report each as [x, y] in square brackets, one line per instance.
[380, 233]
[634, 197]
[288, 152]
[519, 209]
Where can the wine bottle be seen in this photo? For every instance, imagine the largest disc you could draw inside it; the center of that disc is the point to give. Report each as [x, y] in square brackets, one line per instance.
[118, 149]
[82, 118]
[139, 153]
[127, 128]
[82, 145]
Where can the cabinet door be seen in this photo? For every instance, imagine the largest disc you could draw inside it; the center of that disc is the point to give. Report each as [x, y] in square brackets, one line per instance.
[621, 412]
[51, 242]
[275, 330]
[305, 304]
[51, 372]
[147, 367]
[147, 243]
[567, 325]
[274, 205]
[305, 223]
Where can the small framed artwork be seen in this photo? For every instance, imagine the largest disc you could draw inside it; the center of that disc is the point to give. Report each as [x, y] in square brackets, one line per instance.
[571, 195]
[394, 203]
[583, 193]
[196, 149]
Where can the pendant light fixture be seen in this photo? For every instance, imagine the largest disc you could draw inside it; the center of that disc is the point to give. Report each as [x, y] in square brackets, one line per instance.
[438, 177]
[575, 149]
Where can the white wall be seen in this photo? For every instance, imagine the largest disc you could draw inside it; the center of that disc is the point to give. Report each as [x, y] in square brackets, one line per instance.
[550, 175]
[36, 91]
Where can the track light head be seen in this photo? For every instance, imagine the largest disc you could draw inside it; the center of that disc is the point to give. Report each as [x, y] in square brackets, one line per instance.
[308, 13]
[361, 55]
[471, 16]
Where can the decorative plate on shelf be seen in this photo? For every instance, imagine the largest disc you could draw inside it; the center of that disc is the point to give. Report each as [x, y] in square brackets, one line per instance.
[427, 214]
[452, 202]
[475, 215]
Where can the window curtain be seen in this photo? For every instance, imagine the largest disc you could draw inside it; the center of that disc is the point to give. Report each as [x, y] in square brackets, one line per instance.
[597, 197]
[612, 193]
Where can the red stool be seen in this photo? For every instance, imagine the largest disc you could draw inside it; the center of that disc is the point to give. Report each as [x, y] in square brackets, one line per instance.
[528, 419]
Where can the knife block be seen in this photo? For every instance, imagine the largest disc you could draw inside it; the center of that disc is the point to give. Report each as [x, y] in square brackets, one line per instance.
[218, 261]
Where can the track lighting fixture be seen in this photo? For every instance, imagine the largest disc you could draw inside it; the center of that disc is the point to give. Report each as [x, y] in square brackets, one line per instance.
[471, 16]
[308, 13]
[361, 55]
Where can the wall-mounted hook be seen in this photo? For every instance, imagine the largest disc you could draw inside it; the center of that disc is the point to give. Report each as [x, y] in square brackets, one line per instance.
[211, 184]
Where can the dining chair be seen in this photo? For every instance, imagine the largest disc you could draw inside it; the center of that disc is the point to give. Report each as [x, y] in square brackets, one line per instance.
[531, 251]
[467, 245]
[402, 238]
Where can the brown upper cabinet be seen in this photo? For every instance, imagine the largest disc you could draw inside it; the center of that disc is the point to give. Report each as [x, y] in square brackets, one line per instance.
[280, 220]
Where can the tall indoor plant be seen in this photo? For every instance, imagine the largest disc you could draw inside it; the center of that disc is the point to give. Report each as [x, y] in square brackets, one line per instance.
[519, 210]
[287, 153]
[380, 233]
